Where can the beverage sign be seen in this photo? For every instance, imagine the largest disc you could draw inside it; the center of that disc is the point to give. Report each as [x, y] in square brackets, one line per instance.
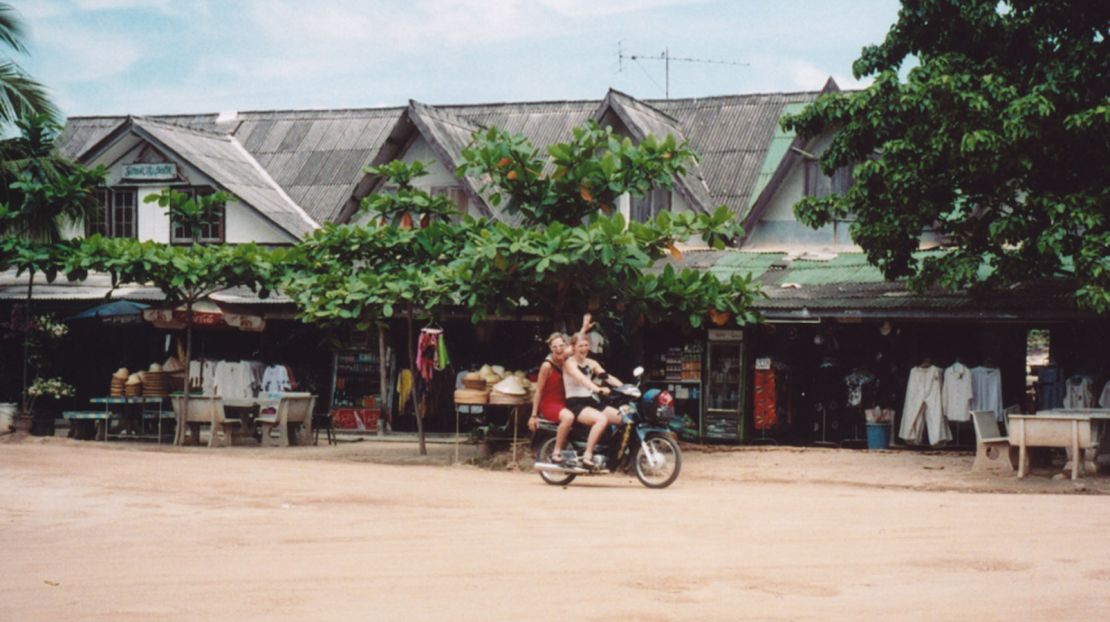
[161, 171]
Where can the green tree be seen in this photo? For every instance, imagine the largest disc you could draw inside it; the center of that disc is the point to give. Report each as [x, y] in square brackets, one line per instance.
[998, 140]
[185, 274]
[43, 194]
[398, 265]
[416, 256]
[19, 94]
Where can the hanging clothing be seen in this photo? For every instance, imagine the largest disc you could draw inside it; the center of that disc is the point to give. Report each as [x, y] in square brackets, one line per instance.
[1104, 399]
[442, 359]
[923, 411]
[404, 389]
[1078, 392]
[957, 392]
[276, 379]
[426, 346]
[765, 414]
[986, 390]
[861, 388]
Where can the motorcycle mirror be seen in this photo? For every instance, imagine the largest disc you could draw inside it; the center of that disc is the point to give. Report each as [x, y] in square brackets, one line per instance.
[639, 371]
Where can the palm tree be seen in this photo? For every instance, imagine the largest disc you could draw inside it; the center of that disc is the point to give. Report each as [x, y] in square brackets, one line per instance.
[19, 93]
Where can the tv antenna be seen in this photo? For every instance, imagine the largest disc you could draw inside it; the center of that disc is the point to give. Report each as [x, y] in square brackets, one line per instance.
[666, 57]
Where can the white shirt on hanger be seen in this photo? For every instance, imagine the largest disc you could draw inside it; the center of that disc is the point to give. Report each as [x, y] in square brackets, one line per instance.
[957, 392]
[987, 390]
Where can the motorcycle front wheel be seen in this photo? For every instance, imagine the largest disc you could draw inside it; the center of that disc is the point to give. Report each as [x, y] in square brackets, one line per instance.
[663, 471]
[544, 455]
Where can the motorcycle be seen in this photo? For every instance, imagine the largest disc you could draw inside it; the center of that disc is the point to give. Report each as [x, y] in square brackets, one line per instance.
[642, 443]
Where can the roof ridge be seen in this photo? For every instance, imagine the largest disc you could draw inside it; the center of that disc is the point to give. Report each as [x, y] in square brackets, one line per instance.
[178, 126]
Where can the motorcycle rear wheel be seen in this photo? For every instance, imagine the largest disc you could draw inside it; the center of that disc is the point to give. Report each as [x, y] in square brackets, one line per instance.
[664, 474]
[544, 455]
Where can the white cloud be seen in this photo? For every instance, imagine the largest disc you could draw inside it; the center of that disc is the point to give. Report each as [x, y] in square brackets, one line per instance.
[89, 53]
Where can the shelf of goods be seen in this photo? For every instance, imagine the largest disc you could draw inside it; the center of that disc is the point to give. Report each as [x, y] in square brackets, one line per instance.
[722, 395]
[355, 390]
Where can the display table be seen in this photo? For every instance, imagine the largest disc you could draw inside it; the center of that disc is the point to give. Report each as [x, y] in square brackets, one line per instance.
[134, 412]
[1076, 431]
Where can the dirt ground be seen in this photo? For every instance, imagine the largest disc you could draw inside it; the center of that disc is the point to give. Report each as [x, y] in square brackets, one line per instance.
[370, 531]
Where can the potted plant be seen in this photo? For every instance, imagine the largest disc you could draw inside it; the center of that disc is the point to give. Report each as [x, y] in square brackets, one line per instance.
[44, 402]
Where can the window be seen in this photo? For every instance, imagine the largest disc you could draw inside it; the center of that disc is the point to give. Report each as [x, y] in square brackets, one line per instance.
[455, 193]
[819, 185]
[650, 205]
[211, 231]
[116, 217]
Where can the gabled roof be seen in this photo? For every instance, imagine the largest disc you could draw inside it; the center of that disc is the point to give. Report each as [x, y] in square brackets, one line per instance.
[643, 120]
[225, 161]
[782, 154]
[317, 156]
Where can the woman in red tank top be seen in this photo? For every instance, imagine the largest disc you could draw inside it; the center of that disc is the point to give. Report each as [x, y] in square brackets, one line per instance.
[550, 398]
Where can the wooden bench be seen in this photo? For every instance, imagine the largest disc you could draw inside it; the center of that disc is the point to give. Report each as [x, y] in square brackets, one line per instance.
[294, 409]
[97, 418]
[993, 451]
[1073, 432]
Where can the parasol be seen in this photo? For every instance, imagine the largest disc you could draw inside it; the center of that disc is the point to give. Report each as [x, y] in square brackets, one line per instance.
[115, 312]
[207, 313]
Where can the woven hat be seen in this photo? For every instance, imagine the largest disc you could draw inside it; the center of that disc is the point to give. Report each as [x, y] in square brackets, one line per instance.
[510, 386]
[121, 373]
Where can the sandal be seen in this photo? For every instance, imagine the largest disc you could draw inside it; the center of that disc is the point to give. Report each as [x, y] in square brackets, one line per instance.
[589, 462]
[557, 457]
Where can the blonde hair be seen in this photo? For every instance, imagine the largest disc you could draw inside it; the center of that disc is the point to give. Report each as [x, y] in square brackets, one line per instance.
[554, 336]
[577, 338]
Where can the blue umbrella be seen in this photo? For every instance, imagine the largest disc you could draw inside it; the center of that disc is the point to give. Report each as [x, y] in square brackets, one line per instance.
[117, 311]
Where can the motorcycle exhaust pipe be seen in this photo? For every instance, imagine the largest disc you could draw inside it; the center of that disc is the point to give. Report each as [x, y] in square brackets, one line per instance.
[551, 467]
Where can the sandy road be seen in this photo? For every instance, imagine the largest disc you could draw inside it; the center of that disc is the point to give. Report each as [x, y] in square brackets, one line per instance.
[93, 533]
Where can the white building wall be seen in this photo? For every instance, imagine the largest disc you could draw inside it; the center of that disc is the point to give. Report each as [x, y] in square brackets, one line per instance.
[438, 175]
[242, 223]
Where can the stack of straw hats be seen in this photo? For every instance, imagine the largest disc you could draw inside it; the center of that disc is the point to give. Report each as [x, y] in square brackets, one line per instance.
[509, 391]
[134, 386]
[473, 391]
[119, 382]
[155, 382]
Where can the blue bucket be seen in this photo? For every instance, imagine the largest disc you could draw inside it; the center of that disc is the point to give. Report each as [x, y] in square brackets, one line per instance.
[878, 435]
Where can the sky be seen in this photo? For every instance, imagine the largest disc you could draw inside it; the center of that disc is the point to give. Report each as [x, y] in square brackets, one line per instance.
[111, 57]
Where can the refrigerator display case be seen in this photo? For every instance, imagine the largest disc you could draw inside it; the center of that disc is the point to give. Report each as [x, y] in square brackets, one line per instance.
[724, 387]
[356, 383]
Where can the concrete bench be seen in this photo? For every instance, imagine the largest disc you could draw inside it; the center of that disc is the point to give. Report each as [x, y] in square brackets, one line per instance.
[294, 409]
[993, 451]
[1073, 432]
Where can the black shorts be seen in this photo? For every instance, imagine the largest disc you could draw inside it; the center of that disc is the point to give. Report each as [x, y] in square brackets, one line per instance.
[577, 404]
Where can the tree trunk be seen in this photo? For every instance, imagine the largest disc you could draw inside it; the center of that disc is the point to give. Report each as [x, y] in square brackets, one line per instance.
[383, 378]
[23, 406]
[179, 435]
[417, 394]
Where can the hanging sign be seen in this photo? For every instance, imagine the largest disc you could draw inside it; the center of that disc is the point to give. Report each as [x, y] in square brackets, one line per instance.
[150, 172]
[717, 334]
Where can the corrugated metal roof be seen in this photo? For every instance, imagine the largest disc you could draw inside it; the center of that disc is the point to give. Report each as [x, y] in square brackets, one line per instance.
[308, 150]
[97, 286]
[222, 158]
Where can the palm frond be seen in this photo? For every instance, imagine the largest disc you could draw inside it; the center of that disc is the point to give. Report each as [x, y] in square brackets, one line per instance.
[12, 32]
[21, 95]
